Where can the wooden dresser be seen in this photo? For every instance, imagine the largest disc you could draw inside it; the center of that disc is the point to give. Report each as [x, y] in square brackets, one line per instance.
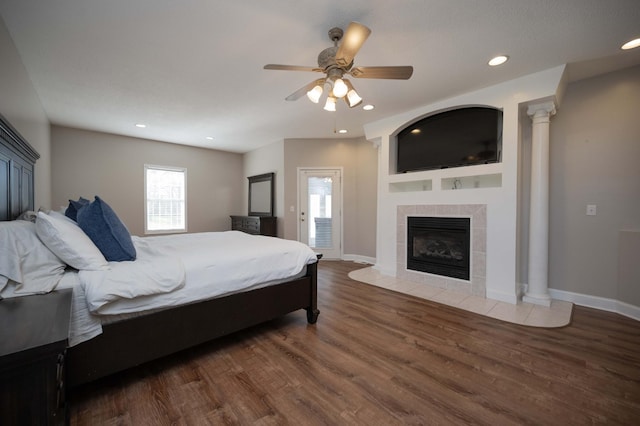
[33, 341]
[258, 225]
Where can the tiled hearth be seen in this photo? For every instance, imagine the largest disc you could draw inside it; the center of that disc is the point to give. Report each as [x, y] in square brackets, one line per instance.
[476, 286]
[557, 315]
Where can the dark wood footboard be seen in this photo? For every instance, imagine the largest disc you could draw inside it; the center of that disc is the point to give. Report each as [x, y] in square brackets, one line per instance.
[141, 339]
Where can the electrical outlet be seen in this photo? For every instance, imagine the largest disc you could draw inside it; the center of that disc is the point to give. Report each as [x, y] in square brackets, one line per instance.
[591, 210]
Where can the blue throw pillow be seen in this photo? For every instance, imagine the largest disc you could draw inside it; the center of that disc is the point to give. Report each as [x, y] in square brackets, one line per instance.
[98, 220]
[72, 211]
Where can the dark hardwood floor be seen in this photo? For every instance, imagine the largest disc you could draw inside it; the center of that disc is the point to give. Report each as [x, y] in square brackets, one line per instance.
[376, 357]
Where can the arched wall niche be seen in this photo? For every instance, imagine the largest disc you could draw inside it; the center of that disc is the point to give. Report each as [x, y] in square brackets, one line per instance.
[423, 121]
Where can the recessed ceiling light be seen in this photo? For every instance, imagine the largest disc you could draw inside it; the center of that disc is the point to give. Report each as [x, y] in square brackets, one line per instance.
[415, 131]
[342, 131]
[209, 138]
[498, 60]
[631, 44]
[142, 126]
[368, 107]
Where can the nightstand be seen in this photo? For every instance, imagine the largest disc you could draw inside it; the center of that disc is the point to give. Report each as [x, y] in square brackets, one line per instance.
[33, 341]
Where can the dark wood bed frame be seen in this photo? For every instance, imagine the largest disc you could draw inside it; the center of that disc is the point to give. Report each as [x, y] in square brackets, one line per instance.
[132, 342]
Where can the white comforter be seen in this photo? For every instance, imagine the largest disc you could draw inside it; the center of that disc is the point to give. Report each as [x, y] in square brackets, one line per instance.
[179, 269]
[152, 273]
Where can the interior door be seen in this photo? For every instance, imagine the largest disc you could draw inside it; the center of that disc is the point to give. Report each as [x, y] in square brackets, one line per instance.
[320, 221]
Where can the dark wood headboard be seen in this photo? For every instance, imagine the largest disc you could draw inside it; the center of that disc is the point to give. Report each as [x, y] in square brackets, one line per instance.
[17, 161]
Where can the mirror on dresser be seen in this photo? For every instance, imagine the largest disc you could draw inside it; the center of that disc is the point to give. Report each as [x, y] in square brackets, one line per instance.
[261, 194]
[260, 219]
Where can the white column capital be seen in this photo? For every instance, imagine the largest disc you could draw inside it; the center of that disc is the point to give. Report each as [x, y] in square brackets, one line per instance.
[545, 109]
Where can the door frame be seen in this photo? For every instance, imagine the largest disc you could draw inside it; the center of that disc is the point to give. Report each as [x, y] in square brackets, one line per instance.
[340, 170]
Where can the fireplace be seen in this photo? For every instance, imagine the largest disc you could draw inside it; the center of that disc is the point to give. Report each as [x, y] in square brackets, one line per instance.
[439, 245]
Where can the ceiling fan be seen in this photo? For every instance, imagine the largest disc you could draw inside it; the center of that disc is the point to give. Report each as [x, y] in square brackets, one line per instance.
[336, 62]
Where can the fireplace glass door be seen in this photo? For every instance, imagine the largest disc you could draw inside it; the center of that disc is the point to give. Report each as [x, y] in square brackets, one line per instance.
[439, 245]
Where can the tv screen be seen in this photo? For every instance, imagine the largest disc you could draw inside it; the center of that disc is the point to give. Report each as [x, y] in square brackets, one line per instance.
[455, 138]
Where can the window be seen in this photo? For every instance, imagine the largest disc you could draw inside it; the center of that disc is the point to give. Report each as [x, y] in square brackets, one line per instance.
[165, 199]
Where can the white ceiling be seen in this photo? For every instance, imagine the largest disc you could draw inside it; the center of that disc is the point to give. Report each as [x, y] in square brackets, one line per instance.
[193, 68]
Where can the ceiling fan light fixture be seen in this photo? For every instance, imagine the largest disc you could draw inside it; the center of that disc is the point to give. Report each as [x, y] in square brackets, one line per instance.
[314, 94]
[353, 99]
[330, 105]
[340, 89]
[335, 63]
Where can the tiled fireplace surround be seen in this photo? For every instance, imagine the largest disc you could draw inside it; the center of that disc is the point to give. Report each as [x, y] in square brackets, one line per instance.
[478, 214]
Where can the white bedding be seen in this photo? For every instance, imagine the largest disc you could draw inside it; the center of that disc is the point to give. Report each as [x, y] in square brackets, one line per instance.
[82, 325]
[192, 267]
[126, 286]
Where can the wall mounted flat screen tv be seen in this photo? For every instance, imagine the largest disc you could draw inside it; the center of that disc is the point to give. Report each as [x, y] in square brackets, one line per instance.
[454, 138]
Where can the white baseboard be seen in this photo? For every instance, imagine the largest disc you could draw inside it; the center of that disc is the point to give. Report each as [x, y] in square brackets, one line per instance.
[602, 303]
[359, 259]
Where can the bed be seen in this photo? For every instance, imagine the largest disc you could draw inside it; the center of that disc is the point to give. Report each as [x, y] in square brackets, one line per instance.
[132, 339]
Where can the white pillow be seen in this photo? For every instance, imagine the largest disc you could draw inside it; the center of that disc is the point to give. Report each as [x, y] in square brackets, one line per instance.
[65, 238]
[27, 264]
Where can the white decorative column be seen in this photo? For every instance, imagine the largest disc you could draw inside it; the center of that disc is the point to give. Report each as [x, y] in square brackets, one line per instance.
[538, 289]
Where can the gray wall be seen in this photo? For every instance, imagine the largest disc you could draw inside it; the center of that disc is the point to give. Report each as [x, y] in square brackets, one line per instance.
[21, 106]
[366, 199]
[594, 159]
[359, 160]
[86, 163]
[268, 159]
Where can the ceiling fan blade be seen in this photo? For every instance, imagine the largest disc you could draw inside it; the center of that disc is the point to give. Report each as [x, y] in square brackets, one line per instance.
[395, 73]
[353, 39]
[291, 68]
[303, 90]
